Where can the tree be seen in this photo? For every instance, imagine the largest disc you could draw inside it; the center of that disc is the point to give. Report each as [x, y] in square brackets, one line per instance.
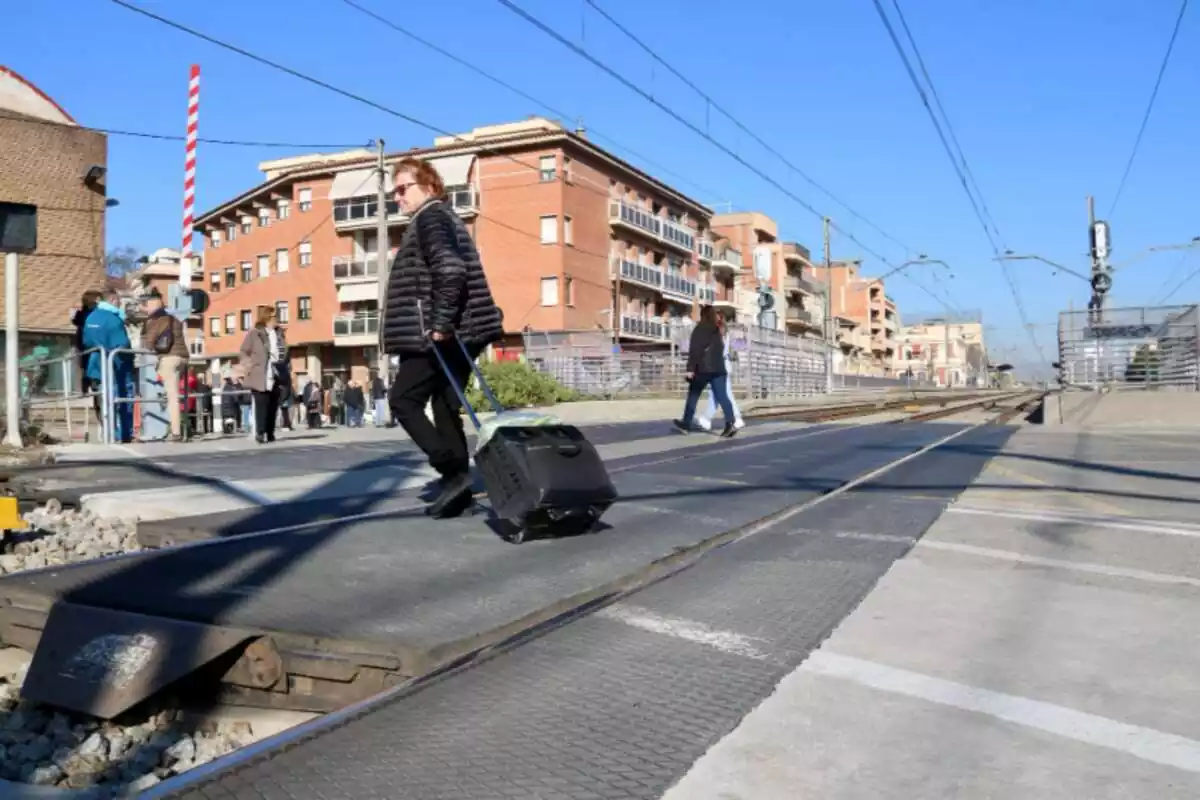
[120, 261]
[1143, 367]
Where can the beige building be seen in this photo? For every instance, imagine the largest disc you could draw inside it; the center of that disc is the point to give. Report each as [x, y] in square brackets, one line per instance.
[947, 354]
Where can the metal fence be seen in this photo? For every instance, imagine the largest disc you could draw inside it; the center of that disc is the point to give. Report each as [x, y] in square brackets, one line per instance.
[765, 363]
[1149, 348]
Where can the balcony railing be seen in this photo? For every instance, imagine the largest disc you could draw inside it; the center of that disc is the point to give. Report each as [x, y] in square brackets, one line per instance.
[356, 324]
[347, 269]
[463, 199]
[800, 315]
[354, 211]
[644, 274]
[708, 293]
[706, 250]
[800, 283]
[665, 231]
[729, 258]
[643, 326]
[676, 284]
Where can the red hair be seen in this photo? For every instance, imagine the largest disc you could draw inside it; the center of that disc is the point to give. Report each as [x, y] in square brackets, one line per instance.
[425, 175]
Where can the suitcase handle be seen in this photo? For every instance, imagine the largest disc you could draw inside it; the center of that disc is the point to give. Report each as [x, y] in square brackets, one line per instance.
[458, 390]
[570, 450]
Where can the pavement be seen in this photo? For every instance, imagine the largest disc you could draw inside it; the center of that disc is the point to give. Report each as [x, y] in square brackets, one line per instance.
[1130, 408]
[1037, 642]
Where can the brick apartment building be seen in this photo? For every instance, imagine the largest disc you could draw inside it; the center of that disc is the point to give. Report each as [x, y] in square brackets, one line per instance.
[46, 159]
[572, 238]
[866, 319]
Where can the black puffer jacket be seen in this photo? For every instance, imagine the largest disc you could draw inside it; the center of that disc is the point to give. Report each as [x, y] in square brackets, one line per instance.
[438, 267]
[706, 350]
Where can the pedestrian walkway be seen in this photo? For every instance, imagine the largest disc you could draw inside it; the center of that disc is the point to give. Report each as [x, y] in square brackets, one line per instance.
[1037, 642]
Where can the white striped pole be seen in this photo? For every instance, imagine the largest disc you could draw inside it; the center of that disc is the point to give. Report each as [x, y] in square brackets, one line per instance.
[189, 179]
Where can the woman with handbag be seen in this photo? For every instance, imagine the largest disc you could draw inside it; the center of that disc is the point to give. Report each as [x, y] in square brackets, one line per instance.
[706, 368]
[263, 358]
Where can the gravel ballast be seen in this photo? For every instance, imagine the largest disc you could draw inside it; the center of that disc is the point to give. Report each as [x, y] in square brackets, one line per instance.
[60, 536]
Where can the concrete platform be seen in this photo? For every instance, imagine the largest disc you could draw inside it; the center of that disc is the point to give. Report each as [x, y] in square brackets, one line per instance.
[1126, 408]
[1038, 642]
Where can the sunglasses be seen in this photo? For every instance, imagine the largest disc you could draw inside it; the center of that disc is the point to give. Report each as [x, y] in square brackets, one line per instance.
[402, 188]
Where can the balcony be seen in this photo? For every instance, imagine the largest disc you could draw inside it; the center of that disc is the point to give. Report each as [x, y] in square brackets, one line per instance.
[669, 233]
[640, 274]
[679, 288]
[358, 213]
[708, 293]
[355, 330]
[645, 328]
[348, 269]
[706, 251]
[463, 199]
[728, 260]
[801, 284]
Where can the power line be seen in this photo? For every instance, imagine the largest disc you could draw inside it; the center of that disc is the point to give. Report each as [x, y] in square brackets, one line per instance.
[167, 138]
[520, 93]
[733, 118]
[958, 168]
[675, 115]
[1137, 142]
[1191, 275]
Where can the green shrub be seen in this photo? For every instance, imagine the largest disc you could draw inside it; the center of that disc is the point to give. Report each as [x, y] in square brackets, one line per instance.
[517, 385]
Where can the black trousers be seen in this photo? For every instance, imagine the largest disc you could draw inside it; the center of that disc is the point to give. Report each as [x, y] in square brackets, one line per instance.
[266, 410]
[420, 381]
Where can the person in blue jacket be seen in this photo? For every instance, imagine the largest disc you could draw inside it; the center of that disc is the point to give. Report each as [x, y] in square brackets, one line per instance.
[105, 327]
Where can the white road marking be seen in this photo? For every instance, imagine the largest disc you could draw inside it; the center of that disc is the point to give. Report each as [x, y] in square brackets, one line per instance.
[875, 537]
[1094, 521]
[1144, 743]
[1057, 563]
[688, 630]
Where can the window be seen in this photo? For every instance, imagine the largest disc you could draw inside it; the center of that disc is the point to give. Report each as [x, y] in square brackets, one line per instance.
[281, 260]
[304, 197]
[264, 217]
[304, 307]
[230, 233]
[214, 282]
[569, 291]
[546, 168]
[283, 209]
[214, 238]
[305, 254]
[247, 322]
[230, 278]
[549, 291]
[247, 272]
[264, 266]
[214, 327]
[566, 169]
[247, 224]
[549, 229]
[568, 233]
[281, 312]
[230, 322]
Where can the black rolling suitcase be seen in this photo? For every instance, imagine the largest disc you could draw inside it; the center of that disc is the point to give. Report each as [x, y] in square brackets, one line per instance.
[541, 480]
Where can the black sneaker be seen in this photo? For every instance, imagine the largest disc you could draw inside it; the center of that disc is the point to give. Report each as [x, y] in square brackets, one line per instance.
[730, 431]
[682, 426]
[454, 499]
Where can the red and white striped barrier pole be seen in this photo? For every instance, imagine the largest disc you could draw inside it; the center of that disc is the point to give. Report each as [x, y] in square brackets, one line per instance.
[189, 177]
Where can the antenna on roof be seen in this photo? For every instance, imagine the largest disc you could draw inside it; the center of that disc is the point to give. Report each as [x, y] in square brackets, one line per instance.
[580, 130]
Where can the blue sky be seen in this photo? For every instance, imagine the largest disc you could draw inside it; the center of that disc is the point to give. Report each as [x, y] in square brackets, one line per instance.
[1045, 98]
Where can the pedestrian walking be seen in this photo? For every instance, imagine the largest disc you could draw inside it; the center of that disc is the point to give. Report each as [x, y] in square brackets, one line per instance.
[706, 368]
[379, 400]
[436, 291]
[356, 405]
[705, 420]
[262, 352]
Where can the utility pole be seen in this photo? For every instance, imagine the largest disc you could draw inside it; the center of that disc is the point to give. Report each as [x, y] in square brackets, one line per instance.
[946, 355]
[829, 337]
[383, 263]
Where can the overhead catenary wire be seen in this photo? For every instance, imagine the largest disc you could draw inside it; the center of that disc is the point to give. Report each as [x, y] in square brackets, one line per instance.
[958, 168]
[172, 138]
[592, 131]
[714, 105]
[1188, 279]
[1137, 142]
[483, 148]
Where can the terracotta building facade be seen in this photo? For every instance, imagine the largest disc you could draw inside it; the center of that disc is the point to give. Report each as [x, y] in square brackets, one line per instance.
[571, 237]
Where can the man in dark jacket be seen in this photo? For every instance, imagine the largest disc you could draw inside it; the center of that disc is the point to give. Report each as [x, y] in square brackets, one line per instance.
[436, 292]
[706, 367]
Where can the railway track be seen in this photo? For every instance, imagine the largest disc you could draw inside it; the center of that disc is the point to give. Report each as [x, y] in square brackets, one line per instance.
[261, 667]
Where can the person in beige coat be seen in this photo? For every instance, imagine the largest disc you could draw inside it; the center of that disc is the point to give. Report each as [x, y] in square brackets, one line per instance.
[263, 358]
